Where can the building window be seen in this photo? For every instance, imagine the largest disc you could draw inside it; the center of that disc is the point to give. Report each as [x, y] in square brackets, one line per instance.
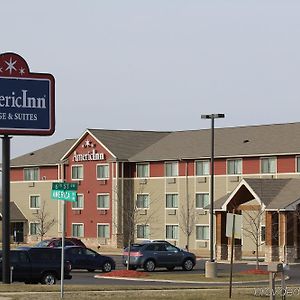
[103, 171]
[202, 232]
[171, 200]
[142, 170]
[142, 201]
[234, 166]
[77, 172]
[202, 200]
[103, 231]
[171, 169]
[35, 201]
[202, 167]
[78, 204]
[263, 233]
[34, 228]
[142, 231]
[77, 230]
[103, 201]
[172, 232]
[298, 164]
[31, 174]
[268, 165]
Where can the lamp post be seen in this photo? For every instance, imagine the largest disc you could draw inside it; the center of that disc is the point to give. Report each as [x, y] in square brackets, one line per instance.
[210, 270]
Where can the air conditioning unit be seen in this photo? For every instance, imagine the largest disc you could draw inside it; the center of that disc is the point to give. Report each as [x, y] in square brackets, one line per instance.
[102, 181]
[171, 211]
[31, 184]
[143, 181]
[202, 179]
[143, 212]
[202, 211]
[102, 211]
[35, 211]
[76, 211]
[202, 244]
[234, 178]
[102, 241]
[171, 180]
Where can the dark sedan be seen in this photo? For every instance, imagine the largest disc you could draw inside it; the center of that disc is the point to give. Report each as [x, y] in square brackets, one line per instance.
[85, 258]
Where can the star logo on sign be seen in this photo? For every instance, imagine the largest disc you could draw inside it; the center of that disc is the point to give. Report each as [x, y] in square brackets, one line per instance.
[10, 65]
[1, 70]
[22, 71]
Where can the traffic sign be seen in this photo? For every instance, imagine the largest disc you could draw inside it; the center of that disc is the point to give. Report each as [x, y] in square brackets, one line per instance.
[64, 195]
[69, 186]
[27, 105]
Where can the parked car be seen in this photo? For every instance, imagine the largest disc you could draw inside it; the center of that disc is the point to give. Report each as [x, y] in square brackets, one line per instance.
[34, 265]
[56, 242]
[86, 258]
[158, 254]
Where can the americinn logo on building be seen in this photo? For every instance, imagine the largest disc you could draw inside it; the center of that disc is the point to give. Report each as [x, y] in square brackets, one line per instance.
[90, 155]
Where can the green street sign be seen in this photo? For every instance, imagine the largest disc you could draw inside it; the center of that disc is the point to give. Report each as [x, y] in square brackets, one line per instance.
[64, 195]
[65, 186]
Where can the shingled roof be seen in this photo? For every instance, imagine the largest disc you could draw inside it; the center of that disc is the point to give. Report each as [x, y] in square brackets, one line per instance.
[131, 145]
[229, 142]
[126, 143]
[15, 214]
[49, 155]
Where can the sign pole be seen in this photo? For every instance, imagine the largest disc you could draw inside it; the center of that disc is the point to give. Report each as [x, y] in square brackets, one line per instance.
[231, 256]
[62, 249]
[5, 209]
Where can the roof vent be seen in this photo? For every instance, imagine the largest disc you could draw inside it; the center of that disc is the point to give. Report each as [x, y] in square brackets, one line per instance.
[32, 153]
[246, 141]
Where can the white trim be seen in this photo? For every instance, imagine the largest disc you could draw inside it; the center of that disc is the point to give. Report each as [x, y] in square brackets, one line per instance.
[82, 230]
[109, 171]
[77, 179]
[78, 208]
[109, 230]
[103, 194]
[79, 140]
[243, 182]
[34, 195]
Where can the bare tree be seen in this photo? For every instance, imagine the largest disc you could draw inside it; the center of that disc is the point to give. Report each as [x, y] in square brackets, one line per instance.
[44, 220]
[134, 212]
[252, 227]
[187, 219]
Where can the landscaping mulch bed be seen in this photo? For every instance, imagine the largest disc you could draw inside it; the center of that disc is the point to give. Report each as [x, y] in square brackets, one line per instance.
[125, 273]
[255, 272]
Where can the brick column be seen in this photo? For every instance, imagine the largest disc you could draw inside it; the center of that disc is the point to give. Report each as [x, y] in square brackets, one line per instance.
[287, 251]
[221, 239]
[272, 234]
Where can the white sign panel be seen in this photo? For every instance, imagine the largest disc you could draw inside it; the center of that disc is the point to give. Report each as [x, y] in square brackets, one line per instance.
[237, 225]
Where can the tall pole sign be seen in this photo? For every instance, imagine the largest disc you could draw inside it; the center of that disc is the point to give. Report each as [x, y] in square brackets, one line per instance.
[27, 107]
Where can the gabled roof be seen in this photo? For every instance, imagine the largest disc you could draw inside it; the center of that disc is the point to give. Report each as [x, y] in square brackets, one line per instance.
[274, 194]
[15, 214]
[49, 155]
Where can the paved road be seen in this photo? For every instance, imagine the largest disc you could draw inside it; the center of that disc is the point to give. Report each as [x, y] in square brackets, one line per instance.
[84, 277]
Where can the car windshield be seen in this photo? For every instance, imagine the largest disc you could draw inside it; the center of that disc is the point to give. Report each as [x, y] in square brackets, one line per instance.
[42, 244]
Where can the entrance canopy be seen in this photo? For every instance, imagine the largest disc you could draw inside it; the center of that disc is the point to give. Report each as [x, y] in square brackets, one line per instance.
[272, 194]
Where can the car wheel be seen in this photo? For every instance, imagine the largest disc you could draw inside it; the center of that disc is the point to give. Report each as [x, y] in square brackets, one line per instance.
[188, 265]
[91, 270]
[149, 265]
[170, 268]
[48, 278]
[107, 267]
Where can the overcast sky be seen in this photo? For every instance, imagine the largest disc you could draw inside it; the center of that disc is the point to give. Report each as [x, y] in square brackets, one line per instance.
[158, 64]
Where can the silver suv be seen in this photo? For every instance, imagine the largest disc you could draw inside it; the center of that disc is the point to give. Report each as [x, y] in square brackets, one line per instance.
[158, 254]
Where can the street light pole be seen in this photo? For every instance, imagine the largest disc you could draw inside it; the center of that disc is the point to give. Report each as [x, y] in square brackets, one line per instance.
[212, 267]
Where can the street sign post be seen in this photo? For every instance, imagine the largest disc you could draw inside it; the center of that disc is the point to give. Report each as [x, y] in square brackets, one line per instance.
[65, 191]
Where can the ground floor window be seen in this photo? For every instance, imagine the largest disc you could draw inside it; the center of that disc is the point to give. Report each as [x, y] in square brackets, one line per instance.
[202, 232]
[103, 231]
[172, 232]
[142, 231]
[77, 230]
[34, 228]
